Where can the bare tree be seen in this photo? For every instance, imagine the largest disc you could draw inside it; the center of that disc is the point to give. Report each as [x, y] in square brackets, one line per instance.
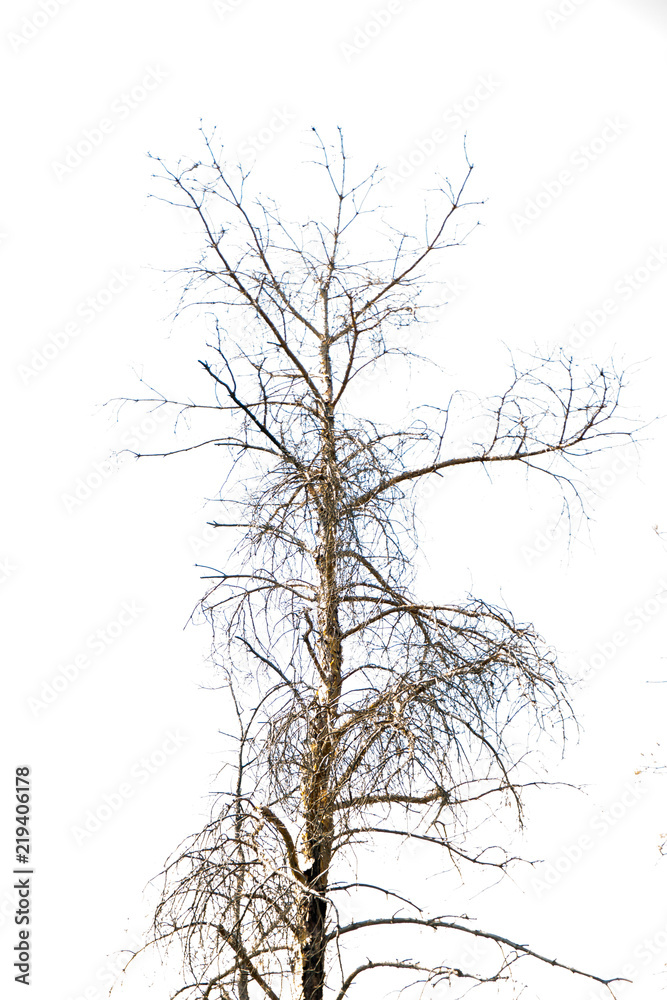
[366, 712]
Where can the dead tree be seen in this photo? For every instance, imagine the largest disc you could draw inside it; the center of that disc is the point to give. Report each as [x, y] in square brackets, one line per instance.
[367, 713]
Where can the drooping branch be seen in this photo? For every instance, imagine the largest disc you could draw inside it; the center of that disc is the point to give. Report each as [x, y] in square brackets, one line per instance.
[438, 923]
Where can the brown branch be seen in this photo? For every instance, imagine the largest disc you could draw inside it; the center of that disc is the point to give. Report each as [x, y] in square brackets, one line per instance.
[244, 959]
[438, 923]
[374, 800]
[287, 840]
[443, 972]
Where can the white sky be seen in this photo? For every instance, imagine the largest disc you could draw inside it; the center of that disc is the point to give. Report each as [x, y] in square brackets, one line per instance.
[582, 91]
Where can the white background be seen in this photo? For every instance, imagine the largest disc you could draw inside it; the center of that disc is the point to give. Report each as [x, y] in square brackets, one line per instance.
[68, 568]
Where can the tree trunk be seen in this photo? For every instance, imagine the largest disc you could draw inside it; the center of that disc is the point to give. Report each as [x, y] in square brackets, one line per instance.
[319, 826]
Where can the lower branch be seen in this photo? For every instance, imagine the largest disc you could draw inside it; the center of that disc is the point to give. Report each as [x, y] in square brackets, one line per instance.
[443, 972]
[520, 949]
